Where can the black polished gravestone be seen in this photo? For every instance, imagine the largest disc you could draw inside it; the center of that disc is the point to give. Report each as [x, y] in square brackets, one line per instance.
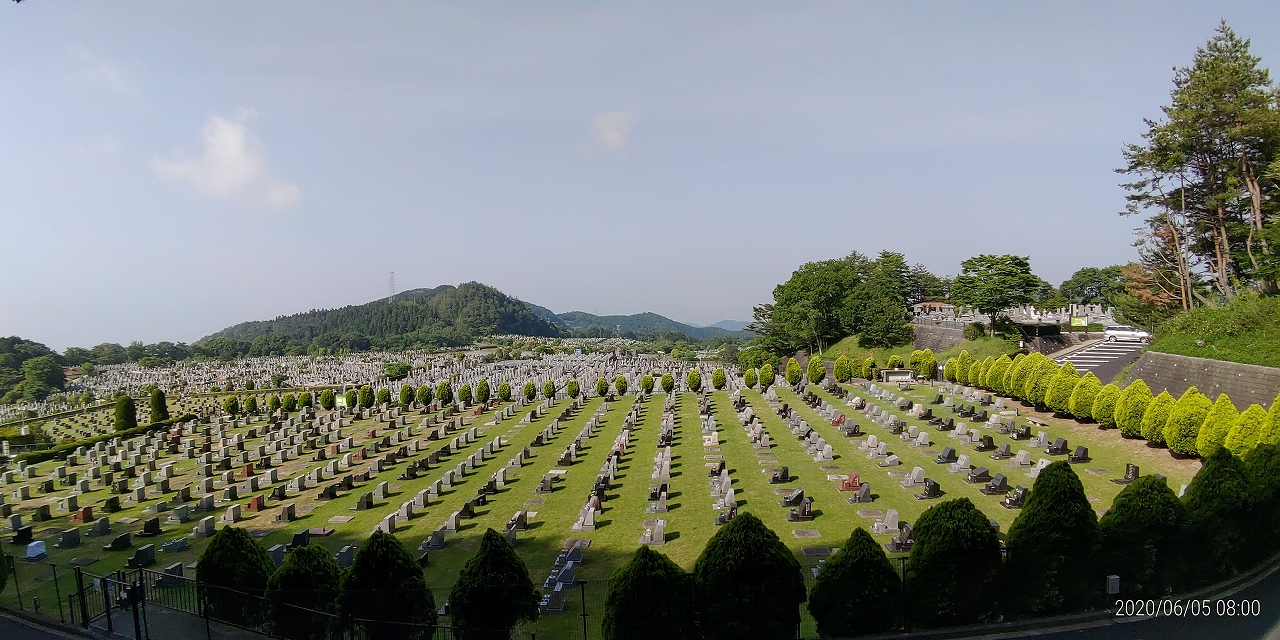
[150, 528]
[1016, 499]
[802, 513]
[119, 543]
[793, 499]
[997, 486]
[23, 535]
[781, 476]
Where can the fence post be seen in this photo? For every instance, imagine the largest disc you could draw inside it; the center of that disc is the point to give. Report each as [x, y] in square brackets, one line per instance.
[133, 602]
[58, 590]
[84, 603]
[106, 600]
[582, 584]
[142, 593]
[13, 569]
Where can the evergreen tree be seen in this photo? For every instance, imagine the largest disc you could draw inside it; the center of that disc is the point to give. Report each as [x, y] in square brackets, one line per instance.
[248, 385]
[693, 380]
[1213, 433]
[425, 395]
[530, 391]
[444, 393]
[306, 582]
[351, 398]
[126, 413]
[464, 394]
[793, 373]
[1220, 513]
[159, 406]
[327, 400]
[1262, 466]
[384, 593]
[406, 395]
[233, 571]
[857, 590]
[304, 399]
[1271, 429]
[231, 405]
[895, 362]
[482, 392]
[273, 401]
[602, 387]
[620, 384]
[1016, 378]
[493, 592]
[649, 597]
[1185, 419]
[748, 583]
[843, 371]
[749, 378]
[251, 405]
[367, 397]
[290, 403]
[718, 379]
[766, 377]
[383, 396]
[1131, 407]
[1046, 371]
[646, 384]
[929, 364]
[954, 566]
[816, 370]
[572, 388]
[1083, 396]
[504, 392]
[668, 382]
[1053, 545]
[963, 362]
[549, 390]
[1142, 538]
[1243, 436]
[996, 374]
[1156, 417]
[1104, 408]
[1058, 395]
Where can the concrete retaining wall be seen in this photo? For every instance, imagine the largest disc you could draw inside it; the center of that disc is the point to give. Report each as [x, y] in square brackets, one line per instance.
[1245, 384]
[936, 338]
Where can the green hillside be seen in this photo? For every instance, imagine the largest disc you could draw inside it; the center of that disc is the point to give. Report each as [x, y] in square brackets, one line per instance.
[443, 316]
[1246, 331]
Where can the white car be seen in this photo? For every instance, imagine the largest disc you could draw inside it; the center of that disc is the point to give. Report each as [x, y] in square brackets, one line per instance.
[1125, 333]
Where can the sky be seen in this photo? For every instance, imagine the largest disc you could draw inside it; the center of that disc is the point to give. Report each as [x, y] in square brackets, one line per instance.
[168, 169]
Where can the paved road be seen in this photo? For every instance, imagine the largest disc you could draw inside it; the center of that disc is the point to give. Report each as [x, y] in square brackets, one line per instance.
[1104, 359]
[18, 629]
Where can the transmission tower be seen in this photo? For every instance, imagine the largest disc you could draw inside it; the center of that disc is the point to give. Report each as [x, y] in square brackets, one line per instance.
[391, 286]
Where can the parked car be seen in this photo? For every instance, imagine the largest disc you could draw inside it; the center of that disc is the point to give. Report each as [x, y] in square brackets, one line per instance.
[1125, 333]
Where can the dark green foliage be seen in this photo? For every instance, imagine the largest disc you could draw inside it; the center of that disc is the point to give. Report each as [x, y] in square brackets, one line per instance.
[233, 571]
[718, 379]
[290, 403]
[649, 597]
[307, 582]
[407, 394]
[1142, 538]
[159, 406]
[748, 584]
[444, 393]
[1053, 545]
[397, 370]
[530, 391]
[668, 382]
[504, 392]
[251, 405]
[1262, 465]
[493, 592]
[549, 389]
[1219, 515]
[383, 396]
[425, 394]
[304, 399]
[126, 414]
[15, 376]
[384, 589]
[646, 384]
[620, 384]
[278, 380]
[857, 590]
[482, 391]
[954, 566]
[991, 283]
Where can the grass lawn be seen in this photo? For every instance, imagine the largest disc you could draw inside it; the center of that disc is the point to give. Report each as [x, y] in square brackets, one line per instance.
[1243, 331]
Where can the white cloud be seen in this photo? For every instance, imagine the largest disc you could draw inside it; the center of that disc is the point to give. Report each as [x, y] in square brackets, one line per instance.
[96, 70]
[611, 128]
[234, 167]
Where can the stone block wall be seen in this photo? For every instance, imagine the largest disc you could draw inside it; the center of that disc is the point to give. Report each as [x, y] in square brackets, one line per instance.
[1245, 384]
[936, 338]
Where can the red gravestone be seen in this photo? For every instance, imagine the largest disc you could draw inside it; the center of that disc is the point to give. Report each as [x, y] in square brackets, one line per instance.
[258, 503]
[852, 483]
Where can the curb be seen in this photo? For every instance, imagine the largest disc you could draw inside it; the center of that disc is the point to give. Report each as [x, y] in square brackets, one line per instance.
[32, 620]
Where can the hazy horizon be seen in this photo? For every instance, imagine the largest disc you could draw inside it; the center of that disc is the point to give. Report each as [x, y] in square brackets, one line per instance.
[170, 170]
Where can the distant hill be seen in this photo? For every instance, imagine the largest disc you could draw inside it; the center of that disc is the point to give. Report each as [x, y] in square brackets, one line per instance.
[640, 324]
[443, 316]
[731, 325]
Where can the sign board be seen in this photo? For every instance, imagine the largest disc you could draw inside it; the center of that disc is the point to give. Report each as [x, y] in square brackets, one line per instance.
[1079, 321]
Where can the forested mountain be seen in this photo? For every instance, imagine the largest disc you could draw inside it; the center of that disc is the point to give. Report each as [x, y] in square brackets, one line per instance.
[28, 370]
[443, 316]
[581, 323]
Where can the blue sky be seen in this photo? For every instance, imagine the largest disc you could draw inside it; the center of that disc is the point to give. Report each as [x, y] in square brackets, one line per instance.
[171, 168]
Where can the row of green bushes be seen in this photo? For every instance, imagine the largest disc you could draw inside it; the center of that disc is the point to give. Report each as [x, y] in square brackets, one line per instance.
[383, 592]
[1191, 425]
[63, 450]
[1057, 553]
